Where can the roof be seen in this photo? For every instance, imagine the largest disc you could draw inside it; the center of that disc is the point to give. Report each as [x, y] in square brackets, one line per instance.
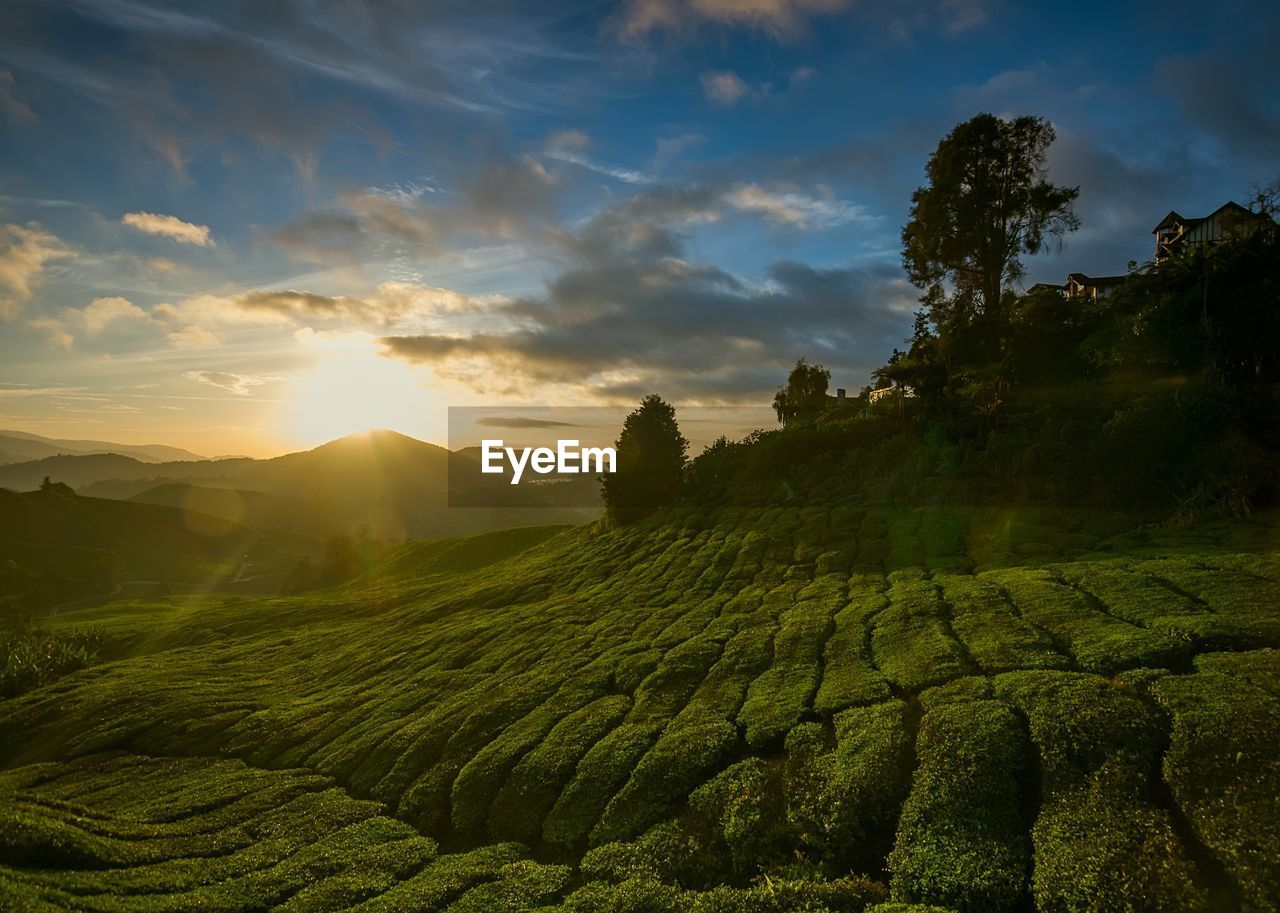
[1096, 280]
[1174, 218]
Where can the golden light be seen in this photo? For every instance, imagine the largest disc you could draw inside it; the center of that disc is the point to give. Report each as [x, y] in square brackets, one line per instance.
[352, 389]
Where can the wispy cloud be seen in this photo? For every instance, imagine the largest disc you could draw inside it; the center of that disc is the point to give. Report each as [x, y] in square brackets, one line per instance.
[796, 209]
[14, 108]
[726, 88]
[24, 251]
[239, 384]
[781, 19]
[170, 227]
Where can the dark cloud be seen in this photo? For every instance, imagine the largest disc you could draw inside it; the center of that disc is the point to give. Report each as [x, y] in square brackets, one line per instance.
[1230, 98]
[685, 329]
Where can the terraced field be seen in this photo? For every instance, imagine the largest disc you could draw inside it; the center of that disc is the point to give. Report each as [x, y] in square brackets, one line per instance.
[752, 711]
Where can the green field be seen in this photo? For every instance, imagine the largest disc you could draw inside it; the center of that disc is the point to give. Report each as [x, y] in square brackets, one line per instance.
[751, 710]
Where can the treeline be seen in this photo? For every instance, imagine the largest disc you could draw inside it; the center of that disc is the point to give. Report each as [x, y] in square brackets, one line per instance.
[1161, 396]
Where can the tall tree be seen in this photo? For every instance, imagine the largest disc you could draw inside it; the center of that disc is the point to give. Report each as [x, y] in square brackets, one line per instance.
[987, 203]
[651, 460]
[805, 395]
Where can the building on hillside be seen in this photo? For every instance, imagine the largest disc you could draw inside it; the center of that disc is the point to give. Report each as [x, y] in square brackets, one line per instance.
[1093, 288]
[1080, 286]
[1176, 234]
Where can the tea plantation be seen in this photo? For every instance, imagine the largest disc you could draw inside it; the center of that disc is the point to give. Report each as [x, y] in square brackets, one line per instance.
[751, 710]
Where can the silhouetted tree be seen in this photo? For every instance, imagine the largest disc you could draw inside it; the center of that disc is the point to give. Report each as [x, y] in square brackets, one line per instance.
[651, 460]
[60, 488]
[805, 395]
[987, 203]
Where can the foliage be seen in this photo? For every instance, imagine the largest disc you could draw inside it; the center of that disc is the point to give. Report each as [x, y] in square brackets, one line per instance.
[651, 460]
[805, 395]
[34, 656]
[730, 709]
[987, 203]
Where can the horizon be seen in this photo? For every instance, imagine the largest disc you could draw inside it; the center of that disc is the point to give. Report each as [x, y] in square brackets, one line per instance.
[232, 233]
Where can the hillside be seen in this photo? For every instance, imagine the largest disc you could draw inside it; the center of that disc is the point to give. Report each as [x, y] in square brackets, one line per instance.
[51, 519]
[745, 710]
[396, 484]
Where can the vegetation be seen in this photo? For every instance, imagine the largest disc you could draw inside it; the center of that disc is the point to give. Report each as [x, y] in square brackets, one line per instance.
[892, 658]
[651, 461]
[669, 716]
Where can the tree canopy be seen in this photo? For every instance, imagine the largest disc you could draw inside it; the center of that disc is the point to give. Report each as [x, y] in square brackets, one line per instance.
[805, 395]
[987, 202]
[651, 461]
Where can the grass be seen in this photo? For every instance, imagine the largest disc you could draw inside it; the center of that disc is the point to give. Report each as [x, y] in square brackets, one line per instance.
[854, 709]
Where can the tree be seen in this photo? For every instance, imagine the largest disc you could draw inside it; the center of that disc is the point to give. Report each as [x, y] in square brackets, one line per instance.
[805, 395]
[651, 461]
[987, 203]
[59, 488]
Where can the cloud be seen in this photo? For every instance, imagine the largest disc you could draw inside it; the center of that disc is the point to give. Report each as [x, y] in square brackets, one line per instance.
[499, 196]
[671, 146]
[726, 88]
[796, 209]
[388, 304]
[635, 315]
[680, 329]
[10, 104]
[239, 384]
[54, 330]
[802, 75]
[568, 141]
[193, 337]
[1226, 99]
[24, 251]
[103, 311]
[520, 421]
[781, 19]
[170, 227]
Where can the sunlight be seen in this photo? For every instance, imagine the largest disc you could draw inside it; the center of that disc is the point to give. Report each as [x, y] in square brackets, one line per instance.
[354, 389]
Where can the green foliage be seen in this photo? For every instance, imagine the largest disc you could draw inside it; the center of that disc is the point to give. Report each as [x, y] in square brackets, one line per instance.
[695, 712]
[1100, 839]
[33, 656]
[805, 396]
[651, 461]
[961, 841]
[843, 798]
[986, 204]
[1222, 768]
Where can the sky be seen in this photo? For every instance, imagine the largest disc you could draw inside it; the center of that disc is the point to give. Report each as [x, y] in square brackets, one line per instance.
[247, 227]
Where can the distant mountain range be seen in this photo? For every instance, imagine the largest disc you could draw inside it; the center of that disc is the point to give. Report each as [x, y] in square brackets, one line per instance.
[22, 446]
[397, 485]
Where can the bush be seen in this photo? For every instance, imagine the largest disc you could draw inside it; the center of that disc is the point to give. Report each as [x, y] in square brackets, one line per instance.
[961, 841]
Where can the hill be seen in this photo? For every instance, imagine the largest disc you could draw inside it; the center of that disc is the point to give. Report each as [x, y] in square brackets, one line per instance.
[818, 708]
[20, 446]
[397, 485]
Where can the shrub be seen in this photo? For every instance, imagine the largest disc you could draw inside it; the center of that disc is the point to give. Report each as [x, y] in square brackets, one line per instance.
[961, 842]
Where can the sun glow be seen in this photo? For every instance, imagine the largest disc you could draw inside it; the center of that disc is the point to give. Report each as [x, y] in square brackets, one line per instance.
[353, 388]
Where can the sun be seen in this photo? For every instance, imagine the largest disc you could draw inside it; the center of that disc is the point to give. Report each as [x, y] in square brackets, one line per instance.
[352, 389]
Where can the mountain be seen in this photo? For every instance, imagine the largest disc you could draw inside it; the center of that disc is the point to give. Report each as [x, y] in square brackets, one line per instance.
[16, 446]
[397, 485]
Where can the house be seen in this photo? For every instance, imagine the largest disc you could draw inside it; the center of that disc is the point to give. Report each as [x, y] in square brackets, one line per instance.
[1176, 234]
[1092, 288]
[1080, 286]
